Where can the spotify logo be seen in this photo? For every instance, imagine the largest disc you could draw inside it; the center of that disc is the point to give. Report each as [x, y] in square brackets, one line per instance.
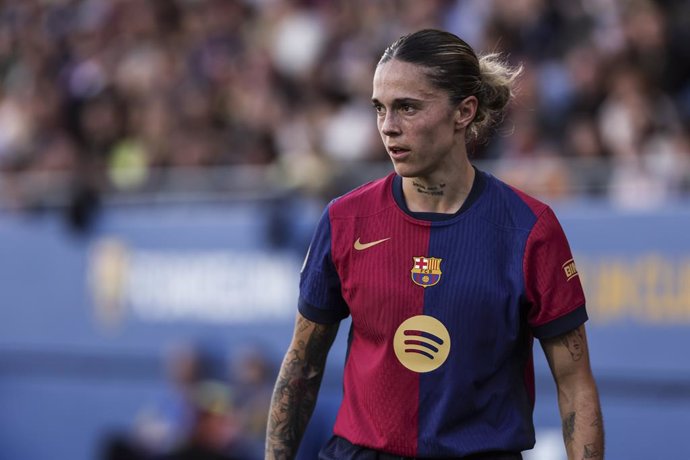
[421, 343]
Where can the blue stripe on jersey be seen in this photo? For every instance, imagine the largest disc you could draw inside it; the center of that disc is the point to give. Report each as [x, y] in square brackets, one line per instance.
[472, 403]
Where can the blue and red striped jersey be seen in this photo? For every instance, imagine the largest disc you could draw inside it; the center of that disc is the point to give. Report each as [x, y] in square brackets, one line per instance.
[444, 311]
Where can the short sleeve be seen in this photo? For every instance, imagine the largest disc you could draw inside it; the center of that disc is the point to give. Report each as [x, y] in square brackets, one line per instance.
[553, 288]
[321, 297]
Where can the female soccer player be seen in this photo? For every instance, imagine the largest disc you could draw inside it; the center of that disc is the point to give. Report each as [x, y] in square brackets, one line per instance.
[448, 275]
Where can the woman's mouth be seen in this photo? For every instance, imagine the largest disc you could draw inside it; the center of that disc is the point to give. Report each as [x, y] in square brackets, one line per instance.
[398, 153]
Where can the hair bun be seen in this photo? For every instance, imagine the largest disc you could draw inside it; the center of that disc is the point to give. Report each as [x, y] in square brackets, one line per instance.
[497, 89]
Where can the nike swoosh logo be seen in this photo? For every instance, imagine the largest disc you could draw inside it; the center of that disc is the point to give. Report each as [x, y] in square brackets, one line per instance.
[362, 246]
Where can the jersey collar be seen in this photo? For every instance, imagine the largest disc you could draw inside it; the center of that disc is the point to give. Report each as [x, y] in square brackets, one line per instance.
[478, 187]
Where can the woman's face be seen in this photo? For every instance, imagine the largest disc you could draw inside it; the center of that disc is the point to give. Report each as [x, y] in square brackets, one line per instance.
[416, 121]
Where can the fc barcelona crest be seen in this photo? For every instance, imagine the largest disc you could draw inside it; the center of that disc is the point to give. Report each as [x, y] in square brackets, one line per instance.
[426, 271]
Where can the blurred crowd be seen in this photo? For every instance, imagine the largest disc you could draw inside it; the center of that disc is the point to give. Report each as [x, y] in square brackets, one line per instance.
[210, 408]
[111, 96]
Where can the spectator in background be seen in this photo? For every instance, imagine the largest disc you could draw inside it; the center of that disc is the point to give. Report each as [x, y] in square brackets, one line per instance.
[215, 433]
[638, 124]
[165, 423]
[199, 415]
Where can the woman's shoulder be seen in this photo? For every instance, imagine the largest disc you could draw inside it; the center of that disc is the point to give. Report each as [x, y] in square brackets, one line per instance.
[367, 199]
[509, 206]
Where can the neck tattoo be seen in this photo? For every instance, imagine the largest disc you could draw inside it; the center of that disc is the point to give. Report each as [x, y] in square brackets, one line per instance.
[433, 190]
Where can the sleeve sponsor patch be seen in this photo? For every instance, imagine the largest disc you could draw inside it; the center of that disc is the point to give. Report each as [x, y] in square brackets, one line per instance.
[570, 269]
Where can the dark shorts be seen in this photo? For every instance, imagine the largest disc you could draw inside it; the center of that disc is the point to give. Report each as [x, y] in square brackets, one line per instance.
[341, 449]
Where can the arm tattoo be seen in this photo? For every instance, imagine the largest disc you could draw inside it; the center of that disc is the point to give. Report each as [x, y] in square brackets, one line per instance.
[575, 343]
[597, 419]
[595, 450]
[568, 428]
[302, 326]
[591, 451]
[296, 389]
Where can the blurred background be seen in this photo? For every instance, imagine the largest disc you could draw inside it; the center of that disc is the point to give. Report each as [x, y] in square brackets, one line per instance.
[163, 164]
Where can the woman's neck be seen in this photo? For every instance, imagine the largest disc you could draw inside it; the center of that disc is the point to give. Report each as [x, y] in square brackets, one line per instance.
[443, 192]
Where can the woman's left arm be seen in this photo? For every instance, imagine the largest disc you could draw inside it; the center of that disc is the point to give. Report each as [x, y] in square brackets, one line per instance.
[578, 398]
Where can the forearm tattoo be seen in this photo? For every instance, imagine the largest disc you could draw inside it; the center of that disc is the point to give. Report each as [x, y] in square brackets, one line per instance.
[590, 451]
[568, 428]
[434, 190]
[595, 450]
[597, 419]
[296, 389]
[575, 343]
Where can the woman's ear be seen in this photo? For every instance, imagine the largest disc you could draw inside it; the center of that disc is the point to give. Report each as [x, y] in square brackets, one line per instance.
[465, 112]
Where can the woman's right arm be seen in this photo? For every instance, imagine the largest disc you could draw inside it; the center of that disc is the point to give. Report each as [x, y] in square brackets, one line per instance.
[297, 387]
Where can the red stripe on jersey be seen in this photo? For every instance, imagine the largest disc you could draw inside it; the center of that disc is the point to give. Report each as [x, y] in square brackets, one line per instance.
[374, 380]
